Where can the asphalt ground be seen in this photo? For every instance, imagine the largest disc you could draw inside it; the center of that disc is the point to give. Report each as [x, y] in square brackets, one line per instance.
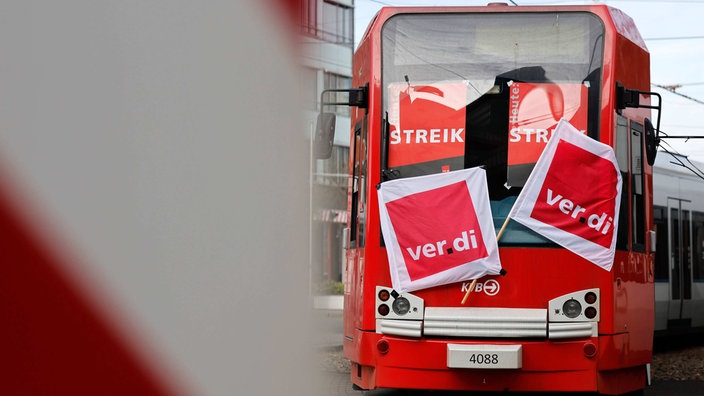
[338, 384]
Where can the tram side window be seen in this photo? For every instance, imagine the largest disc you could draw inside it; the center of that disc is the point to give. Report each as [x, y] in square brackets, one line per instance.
[698, 241]
[362, 125]
[661, 254]
[637, 183]
[359, 176]
[623, 162]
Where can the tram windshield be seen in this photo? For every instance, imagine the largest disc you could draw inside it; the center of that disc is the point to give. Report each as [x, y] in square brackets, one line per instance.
[466, 90]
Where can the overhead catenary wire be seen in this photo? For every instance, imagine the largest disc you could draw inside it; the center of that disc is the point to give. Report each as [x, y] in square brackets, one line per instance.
[674, 38]
[671, 89]
[678, 158]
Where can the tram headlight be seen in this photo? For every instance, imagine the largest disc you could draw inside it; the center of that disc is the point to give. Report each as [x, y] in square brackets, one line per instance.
[391, 306]
[401, 306]
[572, 308]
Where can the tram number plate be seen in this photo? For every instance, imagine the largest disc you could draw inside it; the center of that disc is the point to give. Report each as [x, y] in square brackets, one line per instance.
[484, 356]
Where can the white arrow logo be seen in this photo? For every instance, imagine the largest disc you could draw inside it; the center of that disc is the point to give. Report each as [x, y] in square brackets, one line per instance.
[491, 287]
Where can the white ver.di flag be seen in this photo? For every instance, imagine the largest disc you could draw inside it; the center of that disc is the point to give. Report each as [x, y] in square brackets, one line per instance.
[438, 229]
[573, 194]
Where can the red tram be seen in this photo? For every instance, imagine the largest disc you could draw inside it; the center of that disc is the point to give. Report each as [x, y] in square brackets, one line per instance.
[455, 78]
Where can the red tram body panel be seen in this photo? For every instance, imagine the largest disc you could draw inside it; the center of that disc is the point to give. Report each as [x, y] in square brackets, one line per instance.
[597, 47]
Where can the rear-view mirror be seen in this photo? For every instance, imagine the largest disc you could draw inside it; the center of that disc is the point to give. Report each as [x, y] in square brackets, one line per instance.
[651, 142]
[324, 135]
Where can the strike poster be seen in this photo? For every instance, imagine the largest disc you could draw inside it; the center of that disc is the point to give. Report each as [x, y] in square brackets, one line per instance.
[534, 111]
[427, 126]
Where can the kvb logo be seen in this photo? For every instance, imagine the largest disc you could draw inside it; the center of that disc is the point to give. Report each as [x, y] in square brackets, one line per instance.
[437, 229]
[490, 287]
[565, 203]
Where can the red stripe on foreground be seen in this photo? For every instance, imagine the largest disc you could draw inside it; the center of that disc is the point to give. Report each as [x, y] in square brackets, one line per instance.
[52, 339]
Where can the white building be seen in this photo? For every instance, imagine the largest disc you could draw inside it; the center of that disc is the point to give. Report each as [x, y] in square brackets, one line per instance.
[327, 34]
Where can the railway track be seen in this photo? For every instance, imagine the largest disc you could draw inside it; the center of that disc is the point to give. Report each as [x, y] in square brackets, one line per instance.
[678, 358]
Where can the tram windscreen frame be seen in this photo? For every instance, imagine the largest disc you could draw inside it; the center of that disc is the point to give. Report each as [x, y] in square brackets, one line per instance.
[486, 53]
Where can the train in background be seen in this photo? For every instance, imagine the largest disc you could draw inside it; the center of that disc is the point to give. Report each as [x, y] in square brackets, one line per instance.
[678, 217]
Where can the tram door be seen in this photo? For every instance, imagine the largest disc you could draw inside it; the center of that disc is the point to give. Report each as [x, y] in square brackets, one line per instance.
[680, 248]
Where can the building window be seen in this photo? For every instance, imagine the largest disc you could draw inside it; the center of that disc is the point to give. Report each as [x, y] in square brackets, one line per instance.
[328, 20]
[308, 88]
[335, 171]
[337, 23]
[336, 81]
[309, 17]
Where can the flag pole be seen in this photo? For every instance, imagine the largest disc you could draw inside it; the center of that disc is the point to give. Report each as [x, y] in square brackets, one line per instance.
[469, 290]
[474, 281]
[503, 228]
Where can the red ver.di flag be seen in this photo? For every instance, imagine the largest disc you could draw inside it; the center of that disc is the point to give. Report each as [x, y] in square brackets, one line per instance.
[573, 195]
[438, 229]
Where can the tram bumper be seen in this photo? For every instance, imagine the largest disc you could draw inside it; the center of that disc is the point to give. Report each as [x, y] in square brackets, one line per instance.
[481, 348]
[388, 361]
